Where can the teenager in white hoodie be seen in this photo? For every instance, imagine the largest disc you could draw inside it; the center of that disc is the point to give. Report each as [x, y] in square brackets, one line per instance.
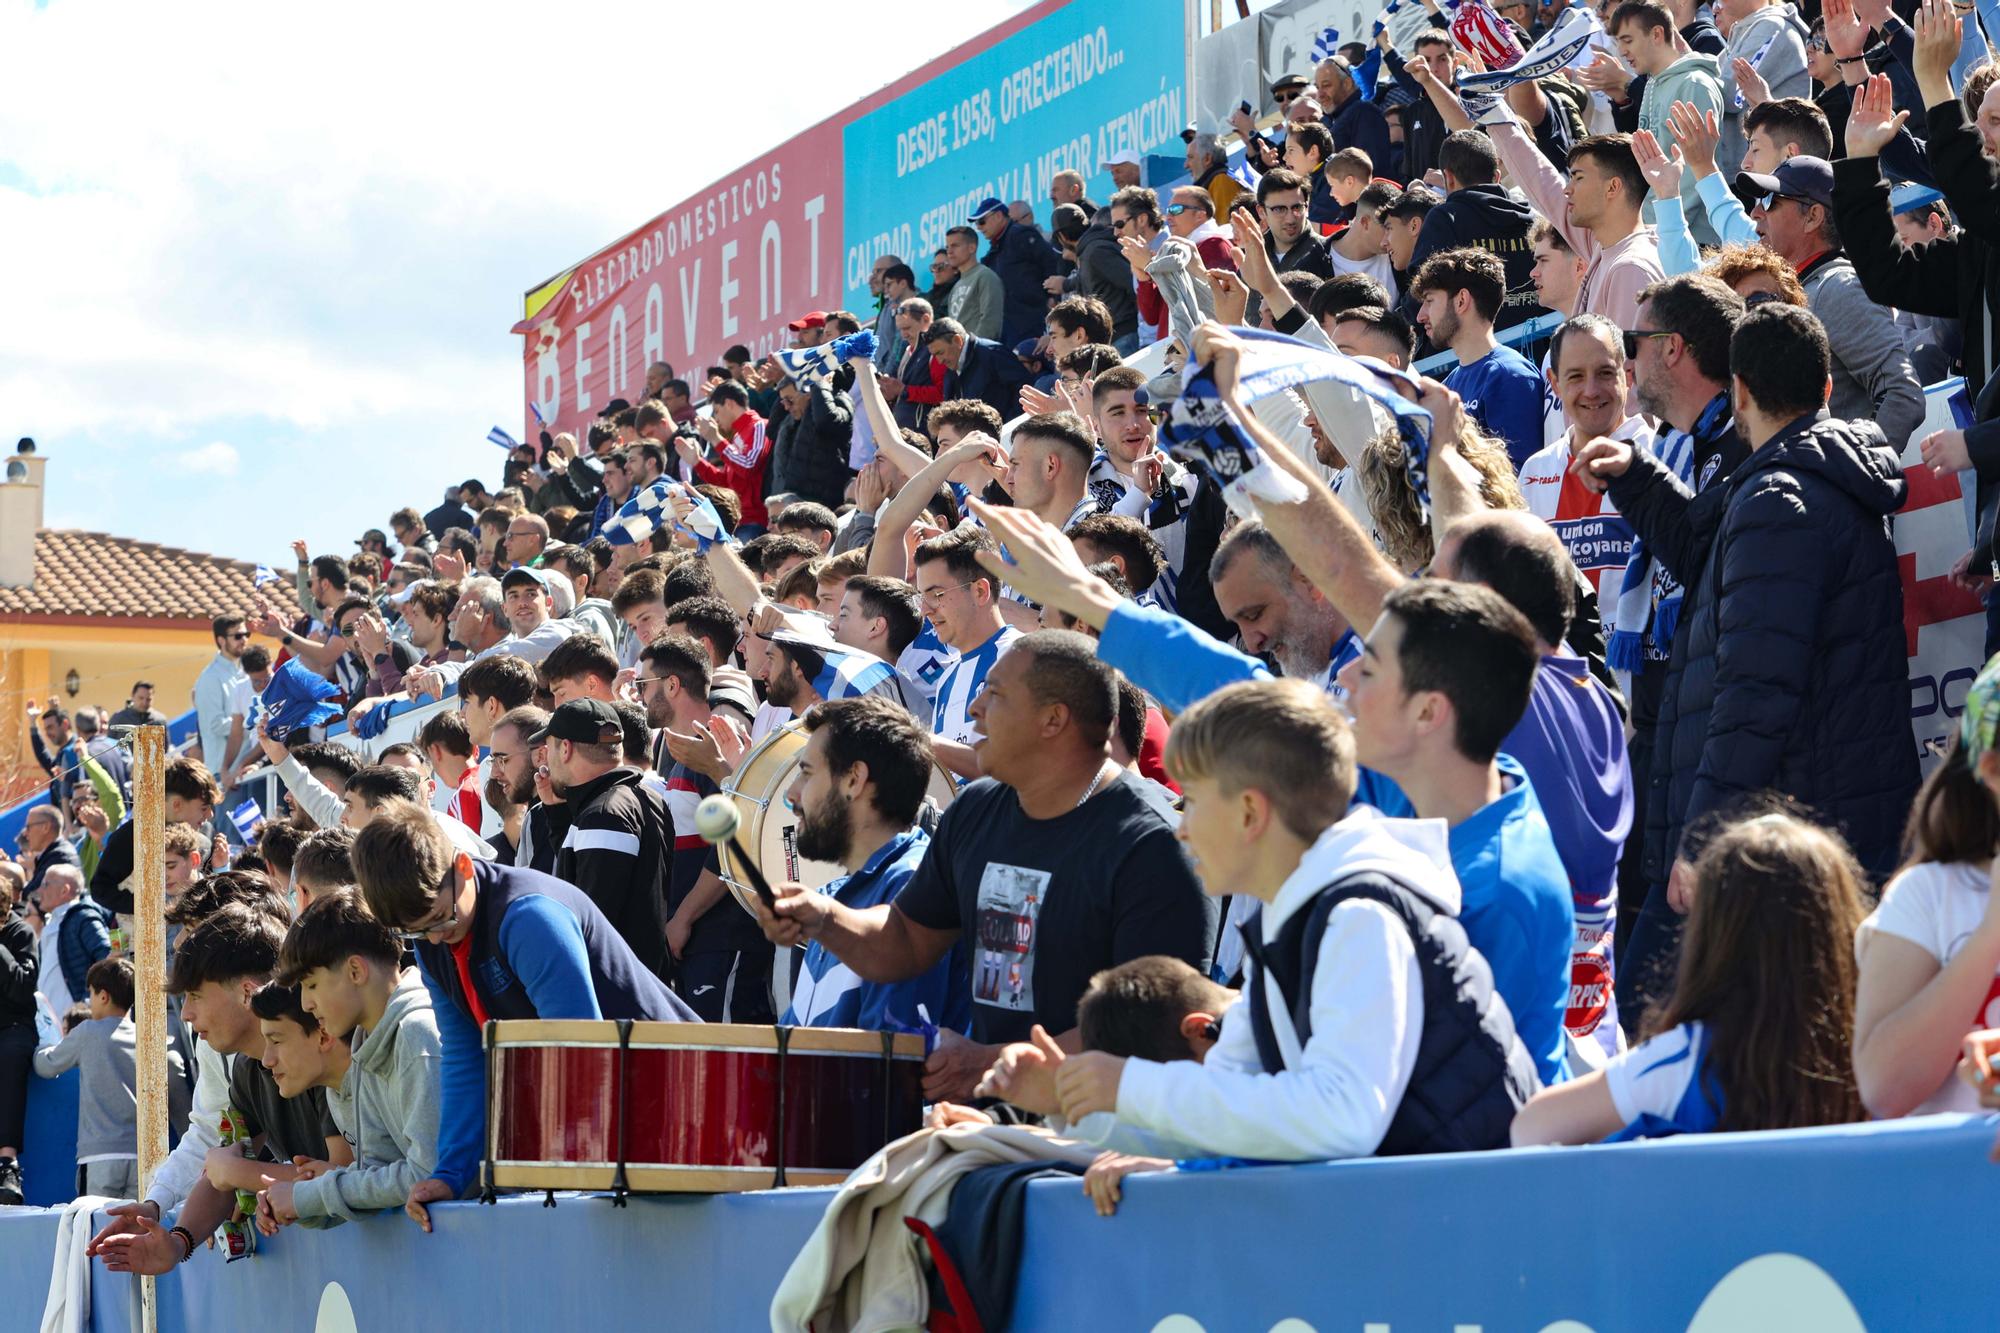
[1402, 1045]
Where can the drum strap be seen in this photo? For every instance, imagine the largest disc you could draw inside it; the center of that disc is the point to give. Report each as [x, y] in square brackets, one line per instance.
[619, 1188]
[784, 1041]
[487, 1194]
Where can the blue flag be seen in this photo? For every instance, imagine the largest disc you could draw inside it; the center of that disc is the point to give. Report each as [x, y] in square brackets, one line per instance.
[296, 699]
[502, 438]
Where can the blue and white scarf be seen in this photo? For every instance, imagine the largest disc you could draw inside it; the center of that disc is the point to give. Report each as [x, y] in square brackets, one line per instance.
[1649, 598]
[1202, 432]
[639, 517]
[807, 366]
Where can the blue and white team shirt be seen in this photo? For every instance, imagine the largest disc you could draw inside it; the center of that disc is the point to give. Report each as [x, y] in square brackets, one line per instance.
[1664, 1086]
[1109, 491]
[1345, 649]
[828, 994]
[962, 684]
[925, 662]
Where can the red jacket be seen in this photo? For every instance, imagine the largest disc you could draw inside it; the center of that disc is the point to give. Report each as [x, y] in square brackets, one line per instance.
[746, 456]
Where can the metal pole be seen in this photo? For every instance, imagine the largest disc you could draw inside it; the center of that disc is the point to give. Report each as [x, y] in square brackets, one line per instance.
[149, 830]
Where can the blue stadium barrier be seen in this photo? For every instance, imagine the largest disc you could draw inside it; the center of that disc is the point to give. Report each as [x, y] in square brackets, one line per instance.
[1881, 1226]
[1541, 326]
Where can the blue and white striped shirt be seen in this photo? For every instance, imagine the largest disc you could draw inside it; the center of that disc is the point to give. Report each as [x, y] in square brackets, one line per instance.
[962, 684]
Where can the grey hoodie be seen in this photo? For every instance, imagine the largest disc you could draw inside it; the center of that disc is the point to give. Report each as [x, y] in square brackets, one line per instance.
[1774, 40]
[387, 1107]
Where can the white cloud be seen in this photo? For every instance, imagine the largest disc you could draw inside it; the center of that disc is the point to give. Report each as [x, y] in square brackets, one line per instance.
[219, 459]
[308, 228]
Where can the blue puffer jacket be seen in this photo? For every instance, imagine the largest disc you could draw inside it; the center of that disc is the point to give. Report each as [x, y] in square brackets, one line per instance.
[1789, 669]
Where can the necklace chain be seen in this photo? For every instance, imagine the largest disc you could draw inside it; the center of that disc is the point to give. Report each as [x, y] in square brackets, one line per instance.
[1087, 791]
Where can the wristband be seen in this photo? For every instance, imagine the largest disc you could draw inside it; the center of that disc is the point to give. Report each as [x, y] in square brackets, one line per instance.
[1850, 60]
[187, 1236]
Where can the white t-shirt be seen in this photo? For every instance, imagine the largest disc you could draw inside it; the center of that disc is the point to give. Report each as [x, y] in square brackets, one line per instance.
[1378, 267]
[1936, 906]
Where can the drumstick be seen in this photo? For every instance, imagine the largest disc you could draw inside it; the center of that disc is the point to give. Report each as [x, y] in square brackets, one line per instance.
[717, 820]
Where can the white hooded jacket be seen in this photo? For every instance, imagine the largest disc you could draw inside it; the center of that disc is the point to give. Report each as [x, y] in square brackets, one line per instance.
[1337, 1096]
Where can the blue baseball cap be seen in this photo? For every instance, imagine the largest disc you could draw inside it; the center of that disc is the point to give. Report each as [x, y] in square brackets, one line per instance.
[988, 206]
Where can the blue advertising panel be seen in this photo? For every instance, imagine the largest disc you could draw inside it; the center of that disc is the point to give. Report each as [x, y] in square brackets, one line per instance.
[1061, 94]
[1881, 1227]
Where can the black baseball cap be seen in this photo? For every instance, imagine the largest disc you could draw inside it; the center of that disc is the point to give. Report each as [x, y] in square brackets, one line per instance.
[1801, 177]
[584, 721]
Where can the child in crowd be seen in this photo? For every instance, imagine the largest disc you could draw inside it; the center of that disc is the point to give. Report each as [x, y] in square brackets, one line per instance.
[1370, 1026]
[307, 1064]
[1756, 1034]
[322, 865]
[348, 968]
[1929, 956]
[184, 849]
[1155, 1008]
[107, 1112]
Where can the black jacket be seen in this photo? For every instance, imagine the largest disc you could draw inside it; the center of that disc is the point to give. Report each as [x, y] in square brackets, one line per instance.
[1487, 217]
[989, 372]
[20, 967]
[617, 849]
[1361, 124]
[1023, 259]
[1103, 272]
[1789, 668]
[1956, 277]
[813, 459]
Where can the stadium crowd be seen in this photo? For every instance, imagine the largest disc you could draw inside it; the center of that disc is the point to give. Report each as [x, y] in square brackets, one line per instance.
[1216, 763]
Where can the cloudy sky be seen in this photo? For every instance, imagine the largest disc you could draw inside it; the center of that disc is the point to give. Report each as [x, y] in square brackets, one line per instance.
[263, 257]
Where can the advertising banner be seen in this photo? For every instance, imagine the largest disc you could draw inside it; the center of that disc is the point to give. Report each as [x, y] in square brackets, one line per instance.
[1944, 622]
[733, 264]
[1001, 119]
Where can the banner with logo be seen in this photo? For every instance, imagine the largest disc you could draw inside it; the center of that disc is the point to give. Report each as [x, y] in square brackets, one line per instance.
[999, 118]
[732, 264]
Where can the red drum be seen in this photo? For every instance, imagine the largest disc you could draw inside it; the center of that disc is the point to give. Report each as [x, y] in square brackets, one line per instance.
[692, 1107]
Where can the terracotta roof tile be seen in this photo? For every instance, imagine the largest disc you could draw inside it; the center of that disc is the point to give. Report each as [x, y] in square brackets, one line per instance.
[96, 574]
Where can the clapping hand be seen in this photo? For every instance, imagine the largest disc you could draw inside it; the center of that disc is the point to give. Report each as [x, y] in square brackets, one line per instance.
[1750, 84]
[1697, 134]
[1661, 169]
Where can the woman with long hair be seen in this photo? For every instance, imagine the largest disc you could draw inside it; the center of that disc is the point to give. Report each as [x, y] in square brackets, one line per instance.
[1757, 1030]
[1930, 954]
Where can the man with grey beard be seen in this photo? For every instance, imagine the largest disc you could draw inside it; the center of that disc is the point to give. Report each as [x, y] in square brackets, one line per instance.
[1277, 611]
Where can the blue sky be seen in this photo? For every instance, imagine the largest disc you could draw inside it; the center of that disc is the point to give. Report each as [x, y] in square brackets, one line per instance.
[264, 258]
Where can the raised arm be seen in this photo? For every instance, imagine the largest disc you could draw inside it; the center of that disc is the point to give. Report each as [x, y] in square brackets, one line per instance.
[888, 557]
[889, 441]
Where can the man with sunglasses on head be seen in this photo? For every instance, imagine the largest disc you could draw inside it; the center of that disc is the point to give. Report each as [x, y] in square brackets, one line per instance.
[492, 942]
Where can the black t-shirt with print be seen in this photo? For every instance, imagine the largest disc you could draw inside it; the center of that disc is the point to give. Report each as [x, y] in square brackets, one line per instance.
[291, 1126]
[1047, 903]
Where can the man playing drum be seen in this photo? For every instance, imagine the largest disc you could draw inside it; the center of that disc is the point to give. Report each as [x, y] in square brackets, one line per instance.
[859, 786]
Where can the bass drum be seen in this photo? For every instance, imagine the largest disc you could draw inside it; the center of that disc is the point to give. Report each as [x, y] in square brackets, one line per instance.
[769, 830]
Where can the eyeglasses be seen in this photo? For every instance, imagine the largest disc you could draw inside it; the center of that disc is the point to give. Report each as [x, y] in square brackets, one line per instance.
[1755, 299]
[1118, 224]
[1288, 97]
[417, 935]
[241, 634]
[1284, 208]
[641, 682]
[1175, 210]
[1632, 337]
[934, 596]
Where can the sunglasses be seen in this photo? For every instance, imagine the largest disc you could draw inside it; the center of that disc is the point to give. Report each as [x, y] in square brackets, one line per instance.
[1632, 337]
[1287, 97]
[1771, 201]
[1175, 210]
